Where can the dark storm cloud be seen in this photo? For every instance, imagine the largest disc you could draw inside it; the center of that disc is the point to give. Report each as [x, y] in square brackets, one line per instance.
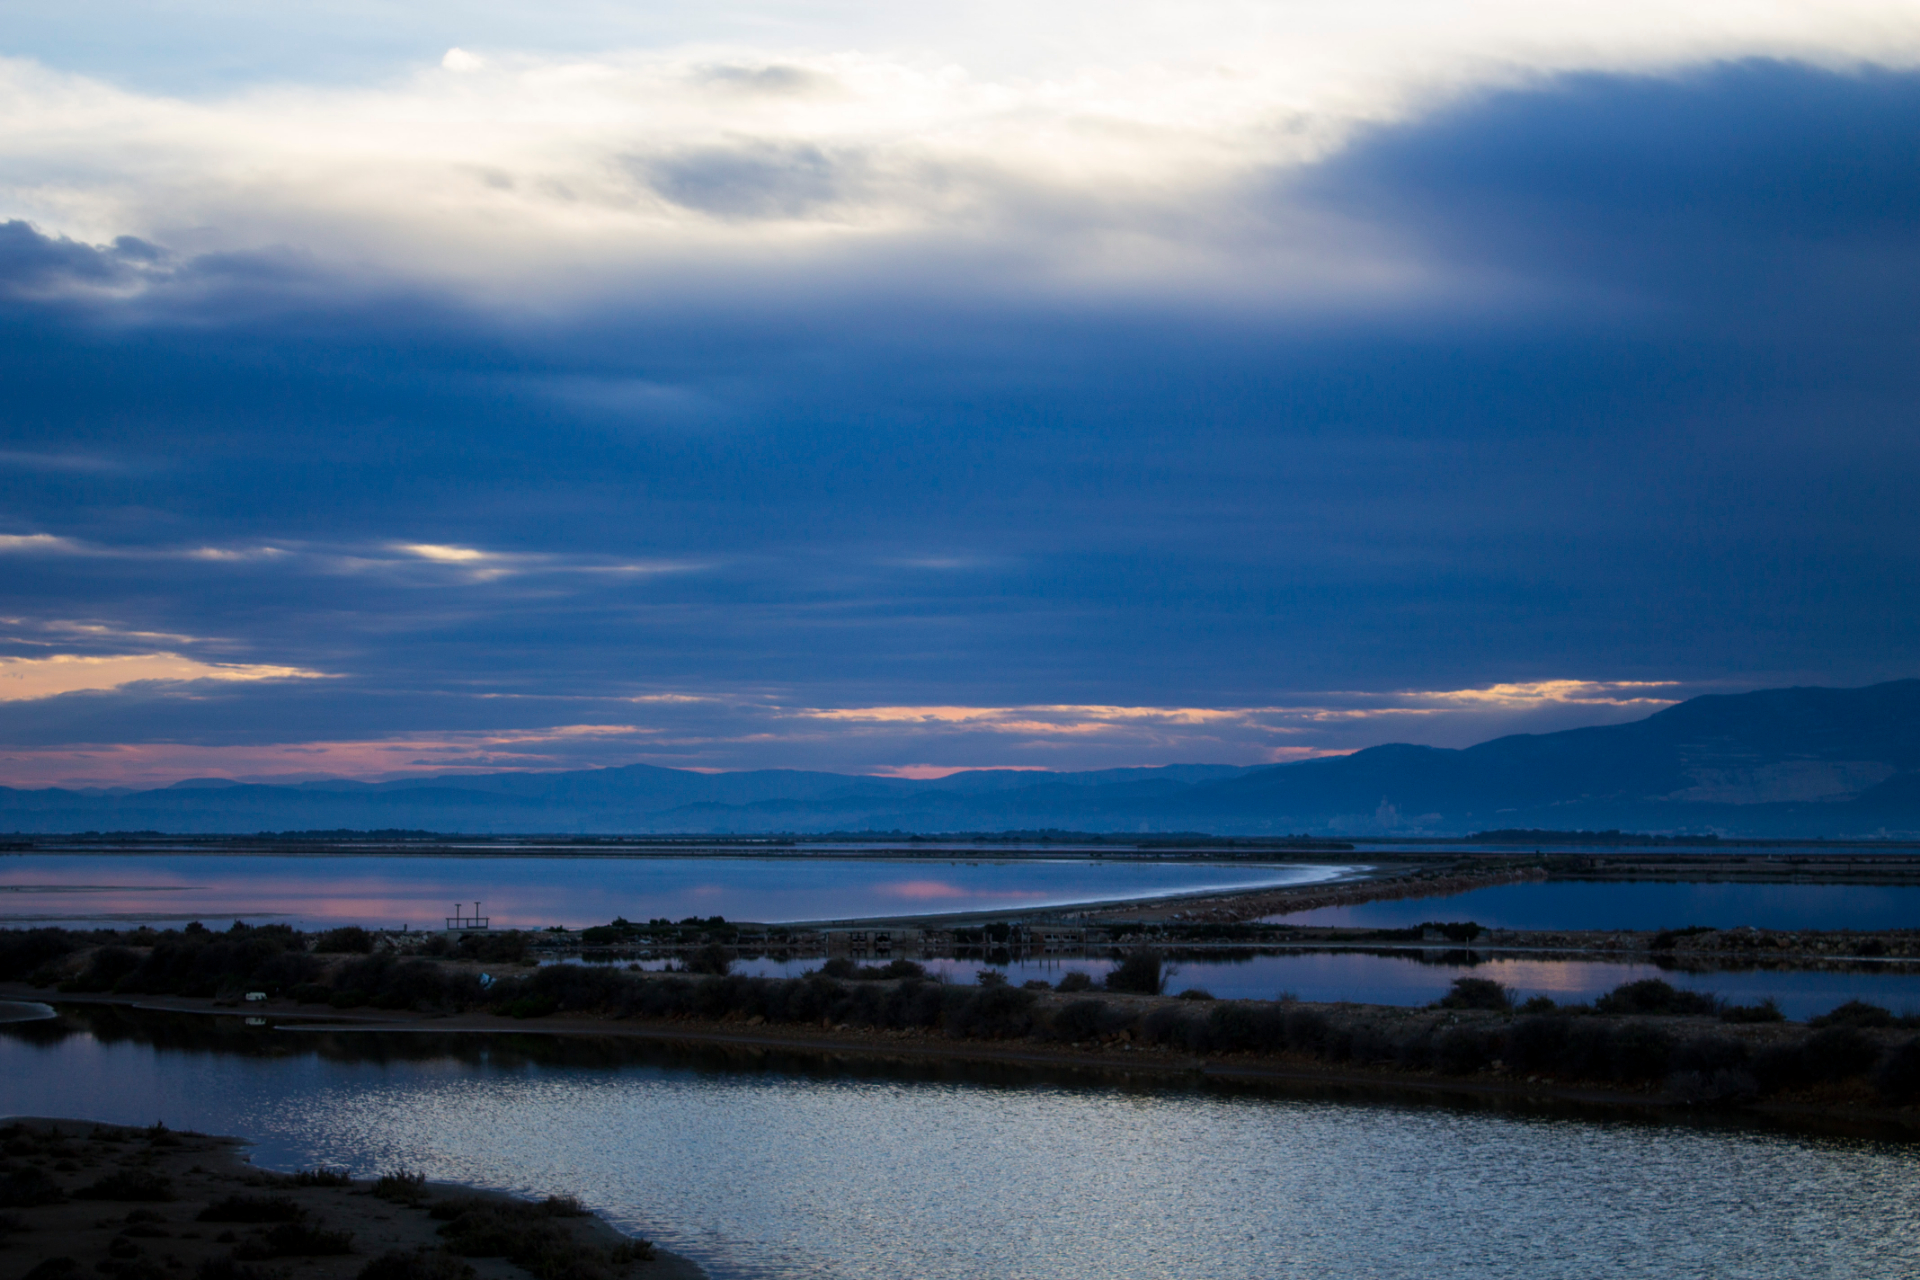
[33, 264]
[1653, 422]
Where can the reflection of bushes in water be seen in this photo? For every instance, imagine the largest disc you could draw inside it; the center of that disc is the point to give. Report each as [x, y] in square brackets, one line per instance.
[1477, 993]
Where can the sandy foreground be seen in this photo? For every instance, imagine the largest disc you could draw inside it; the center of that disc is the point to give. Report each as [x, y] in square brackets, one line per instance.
[141, 1239]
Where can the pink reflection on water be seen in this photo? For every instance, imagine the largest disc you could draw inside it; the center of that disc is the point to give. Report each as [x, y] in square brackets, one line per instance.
[922, 890]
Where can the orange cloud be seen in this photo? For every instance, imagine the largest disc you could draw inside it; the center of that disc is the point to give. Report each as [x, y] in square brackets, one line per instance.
[26, 678]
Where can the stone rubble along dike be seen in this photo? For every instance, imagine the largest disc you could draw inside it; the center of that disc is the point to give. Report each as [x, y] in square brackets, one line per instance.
[1235, 908]
[53, 1170]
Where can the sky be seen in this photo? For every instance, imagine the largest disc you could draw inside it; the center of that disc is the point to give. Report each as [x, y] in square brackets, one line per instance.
[898, 389]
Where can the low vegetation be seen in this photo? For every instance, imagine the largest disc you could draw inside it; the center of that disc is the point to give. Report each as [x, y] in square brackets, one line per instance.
[1644, 1035]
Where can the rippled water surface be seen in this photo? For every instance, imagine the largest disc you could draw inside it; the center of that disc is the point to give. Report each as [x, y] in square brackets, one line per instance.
[534, 892]
[769, 1173]
[1572, 904]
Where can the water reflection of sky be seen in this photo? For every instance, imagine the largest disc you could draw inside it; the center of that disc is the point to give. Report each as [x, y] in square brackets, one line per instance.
[1570, 904]
[536, 892]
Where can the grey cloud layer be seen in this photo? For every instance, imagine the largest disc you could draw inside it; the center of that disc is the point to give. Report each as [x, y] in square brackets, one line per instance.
[1648, 417]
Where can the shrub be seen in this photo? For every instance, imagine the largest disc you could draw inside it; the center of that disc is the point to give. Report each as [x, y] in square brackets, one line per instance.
[296, 1240]
[229, 1269]
[1636, 1052]
[989, 1013]
[1538, 1004]
[1141, 971]
[1195, 993]
[402, 1186]
[1726, 1085]
[1306, 1030]
[1538, 1043]
[1233, 1027]
[494, 948]
[322, 1177]
[420, 1264]
[1854, 1013]
[1837, 1053]
[525, 1235]
[990, 978]
[252, 1209]
[351, 939]
[1476, 993]
[1897, 1078]
[1074, 980]
[1167, 1024]
[1454, 931]
[1765, 1011]
[25, 1187]
[1081, 1020]
[530, 1007]
[712, 958]
[1666, 938]
[106, 968]
[1709, 1054]
[1652, 996]
[1461, 1051]
[129, 1184]
[23, 951]
[1834, 1053]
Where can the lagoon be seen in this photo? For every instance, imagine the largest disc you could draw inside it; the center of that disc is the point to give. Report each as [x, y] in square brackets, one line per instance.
[319, 891]
[1641, 905]
[782, 1169]
[1412, 977]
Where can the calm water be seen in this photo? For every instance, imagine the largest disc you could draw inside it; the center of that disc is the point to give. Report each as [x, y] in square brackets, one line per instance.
[788, 1171]
[117, 891]
[1571, 904]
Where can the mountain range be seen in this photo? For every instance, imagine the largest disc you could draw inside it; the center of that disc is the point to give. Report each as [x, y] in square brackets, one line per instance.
[1778, 762]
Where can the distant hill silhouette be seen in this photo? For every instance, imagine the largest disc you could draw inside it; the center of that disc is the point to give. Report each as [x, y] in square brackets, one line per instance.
[1779, 762]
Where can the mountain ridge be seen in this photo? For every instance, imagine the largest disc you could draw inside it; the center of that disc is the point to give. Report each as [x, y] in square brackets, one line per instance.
[1805, 761]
